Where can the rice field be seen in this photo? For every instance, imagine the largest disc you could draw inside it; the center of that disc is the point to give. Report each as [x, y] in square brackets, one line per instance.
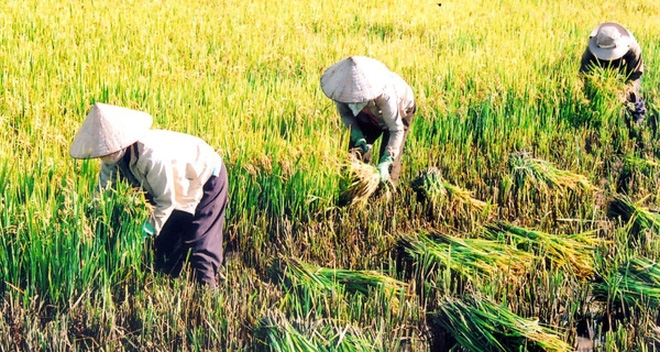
[525, 218]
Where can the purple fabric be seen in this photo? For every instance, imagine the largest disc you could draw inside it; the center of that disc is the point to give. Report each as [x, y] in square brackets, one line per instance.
[196, 239]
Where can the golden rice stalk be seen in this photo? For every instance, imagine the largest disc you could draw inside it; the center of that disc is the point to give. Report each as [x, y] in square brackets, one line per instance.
[466, 256]
[364, 182]
[544, 175]
[573, 251]
[629, 211]
[464, 196]
[430, 185]
[479, 324]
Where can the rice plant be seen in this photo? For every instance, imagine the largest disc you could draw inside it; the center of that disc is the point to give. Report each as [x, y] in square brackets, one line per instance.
[643, 218]
[363, 181]
[635, 284]
[544, 176]
[469, 257]
[478, 324]
[244, 76]
[430, 185]
[575, 252]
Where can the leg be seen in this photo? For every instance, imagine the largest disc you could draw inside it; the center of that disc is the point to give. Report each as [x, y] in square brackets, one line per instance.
[197, 238]
[205, 234]
[169, 250]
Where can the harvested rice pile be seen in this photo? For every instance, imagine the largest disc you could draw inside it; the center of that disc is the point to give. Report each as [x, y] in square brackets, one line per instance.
[430, 186]
[363, 183]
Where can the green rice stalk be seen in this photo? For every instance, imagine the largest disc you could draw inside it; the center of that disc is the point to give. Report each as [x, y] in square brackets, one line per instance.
[640, 162]
[545, 176]
[574, 251]
[480, 325]
[430, 185]
[466, 256]
[645, 218]
[276, 333]
[636, 283]
[329, 279]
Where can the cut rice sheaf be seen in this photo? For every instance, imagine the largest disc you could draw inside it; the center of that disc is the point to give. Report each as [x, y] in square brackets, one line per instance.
[365, 181]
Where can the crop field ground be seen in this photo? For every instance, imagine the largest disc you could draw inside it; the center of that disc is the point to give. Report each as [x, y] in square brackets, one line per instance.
[536, 222]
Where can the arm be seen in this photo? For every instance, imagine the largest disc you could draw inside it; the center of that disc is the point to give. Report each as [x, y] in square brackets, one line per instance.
[389, 107]
[106, 175]
[346, 115]
[157, 179]
[349, 121]
[588, 61]
[634, 68]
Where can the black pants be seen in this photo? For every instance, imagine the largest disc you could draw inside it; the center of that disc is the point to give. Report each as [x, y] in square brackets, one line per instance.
[196, 239]
[372, 132]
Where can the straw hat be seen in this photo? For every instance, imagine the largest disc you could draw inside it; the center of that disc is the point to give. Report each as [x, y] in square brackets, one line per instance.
[610, 41]
[108, 129]
[355, 79]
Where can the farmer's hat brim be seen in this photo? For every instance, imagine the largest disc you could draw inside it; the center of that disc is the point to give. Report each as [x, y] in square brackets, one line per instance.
[355, 79]
[108, 129]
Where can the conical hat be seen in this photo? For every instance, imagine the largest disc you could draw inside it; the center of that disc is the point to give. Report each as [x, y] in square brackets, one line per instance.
[610, 41]
[355, 79]
[108, 129]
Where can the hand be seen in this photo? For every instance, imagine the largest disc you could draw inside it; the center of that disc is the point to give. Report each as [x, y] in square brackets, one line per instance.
[148, 230]
[384, 168]
[636, 107]
[362, 144]
[640, 111]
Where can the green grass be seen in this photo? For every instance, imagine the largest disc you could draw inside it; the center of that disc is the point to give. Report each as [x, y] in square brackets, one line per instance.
[244, 76]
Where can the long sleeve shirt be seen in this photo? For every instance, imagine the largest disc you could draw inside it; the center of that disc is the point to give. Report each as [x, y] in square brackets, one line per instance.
[171, 167]
[630, 64]
[396, 101]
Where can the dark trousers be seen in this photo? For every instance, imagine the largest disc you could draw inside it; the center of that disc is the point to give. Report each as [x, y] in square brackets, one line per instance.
[196, 239]
[373, 131]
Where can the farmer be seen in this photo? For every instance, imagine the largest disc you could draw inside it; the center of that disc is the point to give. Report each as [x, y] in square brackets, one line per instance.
[184, 178]
[613, 46]
[372, 101]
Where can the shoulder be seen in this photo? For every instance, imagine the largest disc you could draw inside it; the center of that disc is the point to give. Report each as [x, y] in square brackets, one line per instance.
[164, 139]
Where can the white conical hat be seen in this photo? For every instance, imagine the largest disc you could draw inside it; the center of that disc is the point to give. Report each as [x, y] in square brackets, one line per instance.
[610, 41]
[108, 129]
[355, 79]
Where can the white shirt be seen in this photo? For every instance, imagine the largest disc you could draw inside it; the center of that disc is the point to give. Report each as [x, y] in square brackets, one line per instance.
[172, 167]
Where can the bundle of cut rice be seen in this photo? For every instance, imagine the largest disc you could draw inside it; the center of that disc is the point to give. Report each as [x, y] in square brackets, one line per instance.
[430, 185]
[478, 324]
[275, 332]
[466, 256]
[636, 283]
[642, 217]
[330, 279]
[363, 182]
[544, 175]
[574, 251]
[640, 163]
